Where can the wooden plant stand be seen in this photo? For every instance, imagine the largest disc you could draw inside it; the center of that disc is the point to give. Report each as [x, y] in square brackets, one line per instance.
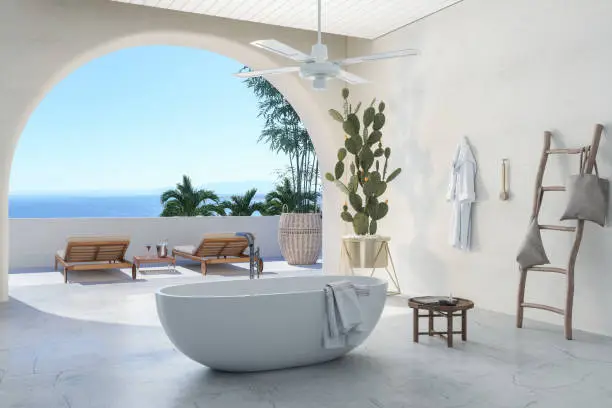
[436, 310]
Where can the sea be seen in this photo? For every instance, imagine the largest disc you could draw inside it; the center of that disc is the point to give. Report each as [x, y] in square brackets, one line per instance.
[73, 206]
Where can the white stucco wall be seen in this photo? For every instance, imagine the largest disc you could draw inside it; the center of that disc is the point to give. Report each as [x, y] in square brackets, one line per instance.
[33, 242]
[500, 72]
[42, 41]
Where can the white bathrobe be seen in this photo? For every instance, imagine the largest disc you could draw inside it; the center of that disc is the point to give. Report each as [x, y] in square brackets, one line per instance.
[461, 194]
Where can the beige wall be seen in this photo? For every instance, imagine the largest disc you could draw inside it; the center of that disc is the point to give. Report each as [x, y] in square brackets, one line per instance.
[42, 41]
[500, 72]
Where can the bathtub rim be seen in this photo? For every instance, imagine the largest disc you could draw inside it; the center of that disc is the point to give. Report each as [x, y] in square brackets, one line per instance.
[376, 282]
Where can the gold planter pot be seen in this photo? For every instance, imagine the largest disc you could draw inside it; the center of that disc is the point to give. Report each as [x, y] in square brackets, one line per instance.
[366, 255]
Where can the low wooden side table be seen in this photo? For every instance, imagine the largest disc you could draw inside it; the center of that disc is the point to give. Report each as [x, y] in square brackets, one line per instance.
[140, 260]
[436, 310]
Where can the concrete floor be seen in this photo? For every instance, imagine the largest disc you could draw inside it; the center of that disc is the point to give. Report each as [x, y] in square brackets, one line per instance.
[97, 343]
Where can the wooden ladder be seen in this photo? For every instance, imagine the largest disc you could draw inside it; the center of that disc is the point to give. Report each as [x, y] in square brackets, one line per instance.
[588, 153]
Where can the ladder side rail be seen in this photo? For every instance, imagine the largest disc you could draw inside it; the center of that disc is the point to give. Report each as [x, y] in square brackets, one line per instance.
[537, 204]
[569, 297]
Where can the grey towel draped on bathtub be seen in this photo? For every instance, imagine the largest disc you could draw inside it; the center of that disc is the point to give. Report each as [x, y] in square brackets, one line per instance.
[343, 313]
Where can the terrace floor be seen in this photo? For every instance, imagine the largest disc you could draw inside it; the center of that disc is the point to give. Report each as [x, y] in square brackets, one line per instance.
[97, 343]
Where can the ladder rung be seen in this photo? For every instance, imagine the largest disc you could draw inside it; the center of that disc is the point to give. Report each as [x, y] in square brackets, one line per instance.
[564, 151]
[543, 307]
[548, 269]
[553, 188]
[557, 228]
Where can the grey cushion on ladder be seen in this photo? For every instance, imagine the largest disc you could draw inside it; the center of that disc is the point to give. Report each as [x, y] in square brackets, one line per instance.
[588, 199]
[532, 250]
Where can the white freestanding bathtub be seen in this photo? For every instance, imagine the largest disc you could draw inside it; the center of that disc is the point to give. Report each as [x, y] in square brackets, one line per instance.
[255, 325]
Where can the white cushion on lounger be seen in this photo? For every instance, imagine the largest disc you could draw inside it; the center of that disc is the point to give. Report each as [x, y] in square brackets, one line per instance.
[188, 249]
[61, 253]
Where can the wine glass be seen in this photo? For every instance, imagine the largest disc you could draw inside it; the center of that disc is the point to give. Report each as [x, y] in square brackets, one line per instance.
[148, 246]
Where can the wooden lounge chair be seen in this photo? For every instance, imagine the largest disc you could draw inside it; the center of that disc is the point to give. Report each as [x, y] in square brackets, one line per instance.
[217, 249]
[93, 253]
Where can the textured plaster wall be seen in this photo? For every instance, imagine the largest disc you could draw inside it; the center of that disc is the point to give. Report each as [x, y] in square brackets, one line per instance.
[501, 73]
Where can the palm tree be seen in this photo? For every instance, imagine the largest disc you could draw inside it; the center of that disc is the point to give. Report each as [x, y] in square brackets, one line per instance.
[285, 133]
[187, 201]
[285, 199]
[242, 204]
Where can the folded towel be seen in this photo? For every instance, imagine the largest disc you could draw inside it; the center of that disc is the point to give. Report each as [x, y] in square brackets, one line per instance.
[343, 313]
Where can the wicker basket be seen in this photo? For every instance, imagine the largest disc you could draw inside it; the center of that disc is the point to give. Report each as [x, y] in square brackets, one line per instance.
[299, 237]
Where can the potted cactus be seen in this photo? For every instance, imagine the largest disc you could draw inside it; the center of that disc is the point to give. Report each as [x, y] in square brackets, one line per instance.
[365, 182]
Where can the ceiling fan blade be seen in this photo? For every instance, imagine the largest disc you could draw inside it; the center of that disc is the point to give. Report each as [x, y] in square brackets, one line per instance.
[351, 78]
[266, 72]
[375, 57]
[284, 50]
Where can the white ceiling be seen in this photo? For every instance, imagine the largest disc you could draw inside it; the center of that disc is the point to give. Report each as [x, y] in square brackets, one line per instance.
[355, 18]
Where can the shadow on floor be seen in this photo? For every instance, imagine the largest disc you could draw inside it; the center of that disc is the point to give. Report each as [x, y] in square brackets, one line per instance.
[229, 270]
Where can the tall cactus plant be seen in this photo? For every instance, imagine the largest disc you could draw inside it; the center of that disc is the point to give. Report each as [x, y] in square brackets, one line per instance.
[368, 165]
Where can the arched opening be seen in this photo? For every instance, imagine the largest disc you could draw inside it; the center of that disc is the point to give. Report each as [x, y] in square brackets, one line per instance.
[125, 127]
[295, 91]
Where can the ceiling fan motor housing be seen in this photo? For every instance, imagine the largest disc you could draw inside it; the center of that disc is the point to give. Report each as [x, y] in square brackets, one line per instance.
[312, 70]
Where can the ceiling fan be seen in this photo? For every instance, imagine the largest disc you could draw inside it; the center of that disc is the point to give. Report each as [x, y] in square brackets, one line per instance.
[316, 66]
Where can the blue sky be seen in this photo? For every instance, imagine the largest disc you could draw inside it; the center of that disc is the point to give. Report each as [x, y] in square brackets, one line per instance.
[138, 119]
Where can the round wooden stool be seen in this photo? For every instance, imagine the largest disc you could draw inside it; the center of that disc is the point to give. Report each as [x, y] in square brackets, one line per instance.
[435, 309]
